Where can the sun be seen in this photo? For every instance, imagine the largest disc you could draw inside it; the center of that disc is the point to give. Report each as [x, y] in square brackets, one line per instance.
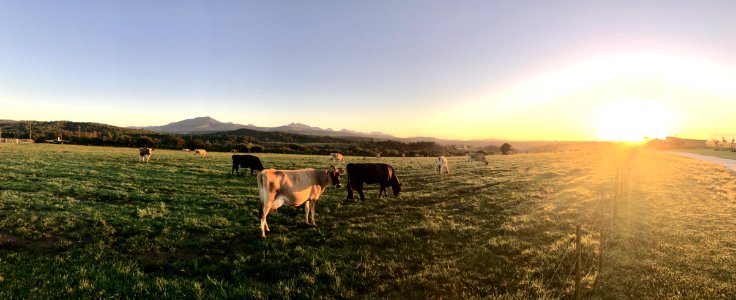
[633, 120]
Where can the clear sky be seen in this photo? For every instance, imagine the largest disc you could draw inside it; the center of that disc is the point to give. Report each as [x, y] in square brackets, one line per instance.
[549, 70]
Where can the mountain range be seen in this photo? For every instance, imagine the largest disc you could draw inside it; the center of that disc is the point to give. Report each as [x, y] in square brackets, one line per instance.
[209, 125]
[204, 125]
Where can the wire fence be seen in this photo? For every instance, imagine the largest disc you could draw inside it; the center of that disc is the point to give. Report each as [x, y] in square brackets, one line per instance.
[577, 269]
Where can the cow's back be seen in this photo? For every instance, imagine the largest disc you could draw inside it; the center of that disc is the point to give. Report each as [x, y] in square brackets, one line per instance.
[248, 161]
[369, 172]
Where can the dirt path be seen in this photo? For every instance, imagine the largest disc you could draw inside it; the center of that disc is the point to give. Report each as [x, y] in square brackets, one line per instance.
[728, 163]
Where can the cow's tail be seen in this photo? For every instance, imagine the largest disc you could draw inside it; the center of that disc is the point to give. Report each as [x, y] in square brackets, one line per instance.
[262, 193]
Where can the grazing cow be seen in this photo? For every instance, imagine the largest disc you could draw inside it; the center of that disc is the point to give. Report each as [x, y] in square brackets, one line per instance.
[145, 153]
[442, 165]
[246, 161]
[335, 157]
[294, 188]
[383, 174]
[478, 156]
[200, 152]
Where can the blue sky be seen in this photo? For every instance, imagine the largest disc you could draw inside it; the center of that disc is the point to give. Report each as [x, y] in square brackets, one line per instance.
[401, 67]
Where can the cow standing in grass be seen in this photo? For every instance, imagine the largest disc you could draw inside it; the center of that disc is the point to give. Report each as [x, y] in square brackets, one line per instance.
[246, 161]
[442, 165]
[294, 188]
[145, 153]
[383, 174]
[478, 156]
[200, 152]
[335, 157]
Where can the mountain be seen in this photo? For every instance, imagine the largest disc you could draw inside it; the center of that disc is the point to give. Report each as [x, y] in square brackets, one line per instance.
[210, 125]
[196, 125]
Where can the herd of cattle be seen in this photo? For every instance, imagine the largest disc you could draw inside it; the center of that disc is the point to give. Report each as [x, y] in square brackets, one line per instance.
[305, 186]
[146, 153]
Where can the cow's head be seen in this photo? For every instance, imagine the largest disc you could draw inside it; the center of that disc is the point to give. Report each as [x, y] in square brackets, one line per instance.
[334, 174]
[395, 186]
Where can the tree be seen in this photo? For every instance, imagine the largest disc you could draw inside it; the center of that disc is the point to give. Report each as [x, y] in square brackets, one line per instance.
[505, 148]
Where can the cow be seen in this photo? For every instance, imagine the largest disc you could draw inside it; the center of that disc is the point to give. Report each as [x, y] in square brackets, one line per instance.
[145, 153]
[200, 152]
[478, 156]
[383, 174]
[442, 165]
[186, 150]
[335, 157]
[294, 188]
[246, 161]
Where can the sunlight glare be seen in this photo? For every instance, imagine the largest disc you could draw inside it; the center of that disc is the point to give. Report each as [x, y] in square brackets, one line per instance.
[633, 120]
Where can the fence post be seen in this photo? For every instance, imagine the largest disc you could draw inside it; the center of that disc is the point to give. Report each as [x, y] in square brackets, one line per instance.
[578, 253]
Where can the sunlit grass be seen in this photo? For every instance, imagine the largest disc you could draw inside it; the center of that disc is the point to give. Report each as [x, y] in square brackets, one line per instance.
[94, 222]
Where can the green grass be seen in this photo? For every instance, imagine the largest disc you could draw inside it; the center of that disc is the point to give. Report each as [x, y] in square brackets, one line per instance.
[93, 222]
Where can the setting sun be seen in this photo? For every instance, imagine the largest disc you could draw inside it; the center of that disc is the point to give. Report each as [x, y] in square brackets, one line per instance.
[632, 120]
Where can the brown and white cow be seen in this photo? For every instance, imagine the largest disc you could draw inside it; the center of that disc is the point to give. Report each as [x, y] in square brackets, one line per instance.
[294, 188]
[478, 156]
[200, 152]
[442, 165]
[335, 157]
[145, 153]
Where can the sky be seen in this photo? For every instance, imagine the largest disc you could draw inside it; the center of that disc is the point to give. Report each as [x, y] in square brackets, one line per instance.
[519, 70]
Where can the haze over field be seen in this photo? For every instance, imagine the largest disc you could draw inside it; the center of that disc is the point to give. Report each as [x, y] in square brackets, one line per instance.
[572, 70]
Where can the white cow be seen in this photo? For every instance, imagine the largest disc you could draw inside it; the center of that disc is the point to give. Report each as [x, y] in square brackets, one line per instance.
[294, 188]
[478, 156]
[442, 165]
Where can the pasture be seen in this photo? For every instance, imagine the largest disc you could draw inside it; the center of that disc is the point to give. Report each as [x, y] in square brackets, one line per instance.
[94, 222]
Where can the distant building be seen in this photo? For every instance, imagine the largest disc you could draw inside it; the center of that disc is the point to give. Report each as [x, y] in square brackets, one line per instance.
[675, 142]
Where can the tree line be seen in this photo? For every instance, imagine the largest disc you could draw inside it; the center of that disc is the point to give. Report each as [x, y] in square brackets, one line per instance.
[241, 140]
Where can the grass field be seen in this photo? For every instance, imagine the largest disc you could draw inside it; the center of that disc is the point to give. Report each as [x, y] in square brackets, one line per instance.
[93, 222]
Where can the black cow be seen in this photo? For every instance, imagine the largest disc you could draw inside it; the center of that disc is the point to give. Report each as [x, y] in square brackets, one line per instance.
[383, 174]
[246, 161]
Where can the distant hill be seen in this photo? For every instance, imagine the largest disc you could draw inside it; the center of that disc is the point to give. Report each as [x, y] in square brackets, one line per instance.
[196, 125]
[208, 125]
[203, 125]
[210, 133]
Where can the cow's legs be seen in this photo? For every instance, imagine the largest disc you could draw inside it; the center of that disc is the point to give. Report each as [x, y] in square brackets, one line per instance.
[382, 191]
[349, 187]
[264, 225]
[314, 206]
[306, 212]
[359, 188]
[265, 208]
